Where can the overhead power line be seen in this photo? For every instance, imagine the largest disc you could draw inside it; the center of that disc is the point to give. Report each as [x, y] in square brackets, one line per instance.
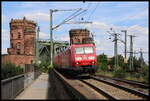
[71, 17]
[93, 11]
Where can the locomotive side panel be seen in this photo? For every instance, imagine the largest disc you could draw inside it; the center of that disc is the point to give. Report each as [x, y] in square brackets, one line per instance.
[59, 60]
[55, 61]
[66, 59]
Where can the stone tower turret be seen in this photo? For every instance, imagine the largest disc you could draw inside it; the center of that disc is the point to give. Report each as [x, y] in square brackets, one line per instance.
[22, 35]
[77, 35]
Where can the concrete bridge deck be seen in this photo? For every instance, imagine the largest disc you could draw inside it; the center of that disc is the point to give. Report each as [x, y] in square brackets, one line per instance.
[38, 89]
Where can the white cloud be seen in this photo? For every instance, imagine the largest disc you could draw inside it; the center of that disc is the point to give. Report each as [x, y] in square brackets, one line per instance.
[5, 41]
[4, 51]
[138, 30]
[4, 19]
[5, 35]
[43, 35]
[103, 45]
[107, 46]
[97, 25]
[33, 4]
[103, 28]
[37, 16]
[63, 38]
[139, 14]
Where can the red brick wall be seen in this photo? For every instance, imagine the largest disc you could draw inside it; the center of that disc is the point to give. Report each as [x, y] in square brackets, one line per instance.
[26, 30]
[17, 59]
[77, 35]
[29, 44]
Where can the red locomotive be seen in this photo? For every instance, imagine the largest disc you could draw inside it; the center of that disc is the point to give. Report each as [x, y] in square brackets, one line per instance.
[77, 58]
[80, 57]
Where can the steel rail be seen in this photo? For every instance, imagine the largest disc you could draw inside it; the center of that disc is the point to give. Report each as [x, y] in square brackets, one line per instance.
[99, 91]
[143, 95]
[140, 84]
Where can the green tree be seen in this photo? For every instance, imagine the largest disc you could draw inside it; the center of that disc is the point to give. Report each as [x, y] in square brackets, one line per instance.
[120, 61]
[119, 72]
[45, 66]
[9, 70]
[141, 61]
[144, 72]
[102, 62]
[136, 64]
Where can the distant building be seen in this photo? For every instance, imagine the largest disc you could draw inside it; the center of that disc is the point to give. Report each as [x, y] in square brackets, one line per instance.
[80, 36]
[22, 47]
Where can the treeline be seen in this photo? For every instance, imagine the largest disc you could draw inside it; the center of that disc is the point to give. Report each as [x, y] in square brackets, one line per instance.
[9, 70]
[44, 66]
[140, 68]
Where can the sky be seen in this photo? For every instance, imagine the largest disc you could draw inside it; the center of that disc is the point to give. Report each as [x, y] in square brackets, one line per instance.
[130, 16]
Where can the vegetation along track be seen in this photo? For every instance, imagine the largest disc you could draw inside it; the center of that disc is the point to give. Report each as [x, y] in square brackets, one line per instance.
[113, 90]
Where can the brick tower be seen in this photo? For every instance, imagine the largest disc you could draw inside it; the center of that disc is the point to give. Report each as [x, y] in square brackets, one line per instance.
[22, 35]
[80, 36]
[77, 35]
[22, 47]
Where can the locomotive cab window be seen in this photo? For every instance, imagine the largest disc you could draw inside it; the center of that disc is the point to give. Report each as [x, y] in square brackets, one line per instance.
[88, 50]
[79, 50]
[84, 50]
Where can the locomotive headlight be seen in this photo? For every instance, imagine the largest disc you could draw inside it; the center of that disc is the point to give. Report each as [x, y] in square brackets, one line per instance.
[92, 62]
[78, 58]
[91, 57]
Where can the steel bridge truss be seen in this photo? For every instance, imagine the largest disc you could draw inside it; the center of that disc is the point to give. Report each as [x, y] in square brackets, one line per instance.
[44, 48]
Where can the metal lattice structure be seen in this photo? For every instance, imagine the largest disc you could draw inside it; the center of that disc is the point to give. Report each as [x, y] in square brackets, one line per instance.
[44, 48]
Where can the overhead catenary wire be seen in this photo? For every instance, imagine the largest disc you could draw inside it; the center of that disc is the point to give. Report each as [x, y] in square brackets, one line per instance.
[93, 11]
[85, 13]
[67, 19]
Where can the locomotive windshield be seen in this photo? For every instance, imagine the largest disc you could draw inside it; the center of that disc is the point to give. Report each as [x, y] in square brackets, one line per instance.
[84, 50]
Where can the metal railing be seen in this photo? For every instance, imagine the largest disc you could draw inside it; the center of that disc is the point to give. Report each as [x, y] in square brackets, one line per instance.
[13, 86]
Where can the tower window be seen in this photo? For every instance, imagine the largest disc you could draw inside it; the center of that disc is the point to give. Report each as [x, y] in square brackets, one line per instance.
[11, 35]
[18, 51]
[12, 45]
[18, 45]
[19, 35]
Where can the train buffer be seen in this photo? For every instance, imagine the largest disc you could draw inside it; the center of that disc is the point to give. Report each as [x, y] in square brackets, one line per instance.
[37, 89]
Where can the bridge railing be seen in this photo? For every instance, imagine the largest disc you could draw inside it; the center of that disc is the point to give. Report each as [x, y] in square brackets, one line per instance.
[13, 86]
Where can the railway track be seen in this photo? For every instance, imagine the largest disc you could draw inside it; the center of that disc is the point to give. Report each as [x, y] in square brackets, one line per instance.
[134, 87]
[91, 87]
[131, 82]
[113, 92]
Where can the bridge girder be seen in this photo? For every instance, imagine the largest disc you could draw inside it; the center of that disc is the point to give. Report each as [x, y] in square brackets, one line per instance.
[44, 48]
